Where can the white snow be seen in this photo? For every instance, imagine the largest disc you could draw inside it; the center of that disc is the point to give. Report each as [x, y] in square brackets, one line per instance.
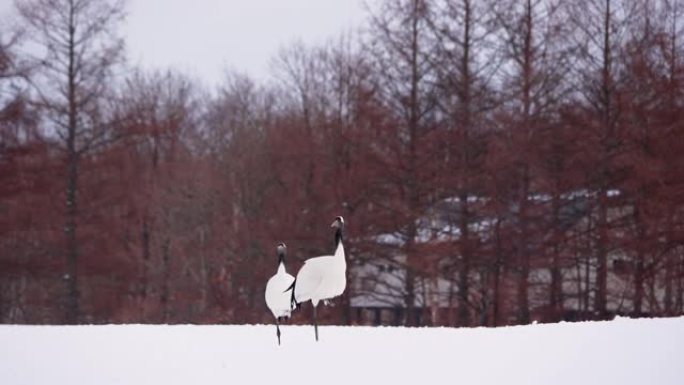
[618, 352]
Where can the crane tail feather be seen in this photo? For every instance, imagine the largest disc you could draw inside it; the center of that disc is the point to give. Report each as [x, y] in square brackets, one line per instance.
[293, 302]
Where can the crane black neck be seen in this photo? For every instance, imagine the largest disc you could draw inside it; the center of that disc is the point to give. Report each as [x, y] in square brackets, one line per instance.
[338, 236]
[281, 257]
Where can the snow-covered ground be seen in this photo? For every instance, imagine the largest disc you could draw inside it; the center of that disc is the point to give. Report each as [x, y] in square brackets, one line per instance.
[623, 351]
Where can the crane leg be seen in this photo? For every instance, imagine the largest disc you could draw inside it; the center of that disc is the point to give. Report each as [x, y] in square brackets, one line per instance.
[278, 330]
[315, 322]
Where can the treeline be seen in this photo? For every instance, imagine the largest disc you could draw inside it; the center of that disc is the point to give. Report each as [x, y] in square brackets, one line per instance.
[514, 160]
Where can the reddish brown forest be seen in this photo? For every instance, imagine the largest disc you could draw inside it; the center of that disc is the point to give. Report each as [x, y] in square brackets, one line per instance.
[497, 162]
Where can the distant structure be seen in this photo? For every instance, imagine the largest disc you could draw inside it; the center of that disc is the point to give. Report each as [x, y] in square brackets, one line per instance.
[378, 282]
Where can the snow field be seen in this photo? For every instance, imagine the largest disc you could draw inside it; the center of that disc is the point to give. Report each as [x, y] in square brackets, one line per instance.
[624, 351]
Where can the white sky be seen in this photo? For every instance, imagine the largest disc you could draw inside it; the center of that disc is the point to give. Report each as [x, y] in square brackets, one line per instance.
[205, 37]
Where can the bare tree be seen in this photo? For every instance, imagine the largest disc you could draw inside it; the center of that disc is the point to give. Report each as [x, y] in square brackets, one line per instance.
[673, 54]
[401, 45]
[466, 64]
[12, 76]
[601, 30]
[536, 59]
[76, 50]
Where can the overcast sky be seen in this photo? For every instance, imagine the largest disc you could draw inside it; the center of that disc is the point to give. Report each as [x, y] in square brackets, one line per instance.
[204, 37]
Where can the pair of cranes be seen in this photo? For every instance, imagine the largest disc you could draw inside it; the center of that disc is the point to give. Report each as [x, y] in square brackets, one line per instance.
[320, 279]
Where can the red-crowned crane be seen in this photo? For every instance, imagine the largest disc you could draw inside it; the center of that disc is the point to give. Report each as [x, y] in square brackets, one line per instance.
[322, 278]
[277, 299]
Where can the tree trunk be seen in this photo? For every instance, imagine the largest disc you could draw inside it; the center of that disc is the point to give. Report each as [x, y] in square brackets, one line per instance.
[680, 287]
[600, 300]
[667, 301]
[497, 274]
[412, 185]
[556, 299]
[71, 276]
[464, 272]
[434, 299]
[409, 285]
[166, 284]
[464, 217]
[523, 245]
[639, 265]
[523, 254]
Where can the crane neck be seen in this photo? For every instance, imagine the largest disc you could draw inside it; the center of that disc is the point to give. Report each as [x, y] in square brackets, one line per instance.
[339, 248]
[281, 262]
[338, 237]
